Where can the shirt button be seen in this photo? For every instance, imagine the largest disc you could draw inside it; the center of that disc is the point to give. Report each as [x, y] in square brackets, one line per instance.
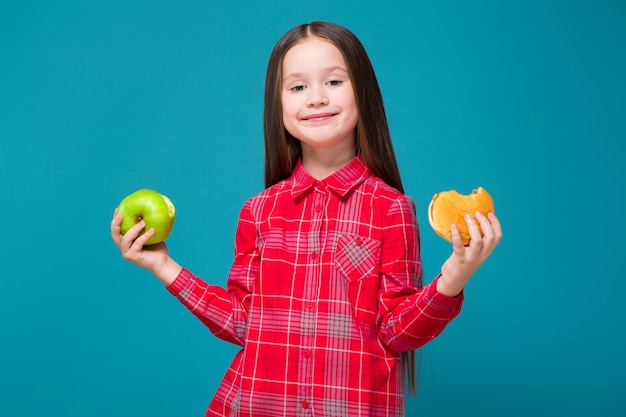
[318, 208]
[310, 305]
[306, 354]
[314, 255]
[359, 241]
[305, 404]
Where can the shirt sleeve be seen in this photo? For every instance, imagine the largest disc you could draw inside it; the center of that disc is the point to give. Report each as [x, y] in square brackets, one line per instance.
[409, 315]
[225, 310]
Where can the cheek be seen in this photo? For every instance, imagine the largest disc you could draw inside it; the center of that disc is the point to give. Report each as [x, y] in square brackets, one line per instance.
[285, 106]
[286, 117]
[348, 103]
[289, 112]
[352, 114]
[289, 121]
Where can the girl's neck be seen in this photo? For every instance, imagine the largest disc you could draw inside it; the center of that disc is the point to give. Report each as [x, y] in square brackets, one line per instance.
[322, 163]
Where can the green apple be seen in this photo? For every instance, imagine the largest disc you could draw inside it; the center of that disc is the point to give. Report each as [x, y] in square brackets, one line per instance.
[152, 207]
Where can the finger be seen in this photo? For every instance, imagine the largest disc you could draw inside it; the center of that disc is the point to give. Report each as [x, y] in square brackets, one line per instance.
[131, 235]
[495, 225]
[489, 235]
[141, 240]
[134, 251]
[116, 234]
[492, 234]
[457, 240]
[485, 226]
[474, 232]
[117, 220]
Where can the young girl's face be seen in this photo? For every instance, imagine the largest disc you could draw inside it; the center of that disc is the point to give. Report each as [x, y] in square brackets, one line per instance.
[319, 108]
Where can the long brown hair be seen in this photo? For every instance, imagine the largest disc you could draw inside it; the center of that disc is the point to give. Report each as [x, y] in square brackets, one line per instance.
[373, 141]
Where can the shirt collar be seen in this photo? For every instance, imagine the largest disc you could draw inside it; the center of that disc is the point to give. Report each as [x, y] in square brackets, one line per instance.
[341, 182]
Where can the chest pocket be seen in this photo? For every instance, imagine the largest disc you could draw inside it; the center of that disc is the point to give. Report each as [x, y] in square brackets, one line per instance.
[357, 258]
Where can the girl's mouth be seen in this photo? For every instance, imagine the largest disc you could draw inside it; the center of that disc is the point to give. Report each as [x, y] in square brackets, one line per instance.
[317, 117]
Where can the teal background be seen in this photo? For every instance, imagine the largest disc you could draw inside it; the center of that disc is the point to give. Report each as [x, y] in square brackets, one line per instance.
[100, 98]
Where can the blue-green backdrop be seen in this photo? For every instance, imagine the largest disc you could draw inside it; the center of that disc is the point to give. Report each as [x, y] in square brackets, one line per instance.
[100, 98]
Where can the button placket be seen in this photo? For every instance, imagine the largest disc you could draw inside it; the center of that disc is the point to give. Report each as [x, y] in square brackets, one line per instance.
[317, 218]
[315, 240]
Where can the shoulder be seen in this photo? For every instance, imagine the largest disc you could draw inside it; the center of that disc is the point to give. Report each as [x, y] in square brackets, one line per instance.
[256, 203]
[386, 194]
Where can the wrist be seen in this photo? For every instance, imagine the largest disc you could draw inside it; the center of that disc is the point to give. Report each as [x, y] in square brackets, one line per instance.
[168, 272]
[445, 287]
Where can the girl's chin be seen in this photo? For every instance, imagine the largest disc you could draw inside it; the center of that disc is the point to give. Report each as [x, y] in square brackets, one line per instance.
[341, 149]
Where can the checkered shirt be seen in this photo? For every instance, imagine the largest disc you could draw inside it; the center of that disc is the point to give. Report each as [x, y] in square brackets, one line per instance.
[324, 293]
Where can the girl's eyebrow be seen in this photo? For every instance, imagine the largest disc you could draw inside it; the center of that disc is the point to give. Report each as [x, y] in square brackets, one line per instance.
[326, 70]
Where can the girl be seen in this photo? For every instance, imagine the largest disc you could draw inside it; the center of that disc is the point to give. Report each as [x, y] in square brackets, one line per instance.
[325, 294]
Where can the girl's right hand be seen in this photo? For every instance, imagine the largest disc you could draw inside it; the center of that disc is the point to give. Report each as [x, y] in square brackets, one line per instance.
[153, 257]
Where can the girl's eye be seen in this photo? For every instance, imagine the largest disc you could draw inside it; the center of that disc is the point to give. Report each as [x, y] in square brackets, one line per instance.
[334, 82]
[297, 88]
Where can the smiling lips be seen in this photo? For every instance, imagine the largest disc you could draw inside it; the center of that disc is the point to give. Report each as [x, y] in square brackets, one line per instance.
[318, 117]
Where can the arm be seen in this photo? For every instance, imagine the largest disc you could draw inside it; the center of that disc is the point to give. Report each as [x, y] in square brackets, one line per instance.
[409, 315]
[224, 311]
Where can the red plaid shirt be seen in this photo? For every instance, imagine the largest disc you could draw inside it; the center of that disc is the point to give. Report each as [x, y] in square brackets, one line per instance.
[323, 295]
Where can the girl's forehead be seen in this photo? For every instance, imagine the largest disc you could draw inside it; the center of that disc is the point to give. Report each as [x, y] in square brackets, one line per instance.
[313, 50]
[313, 41]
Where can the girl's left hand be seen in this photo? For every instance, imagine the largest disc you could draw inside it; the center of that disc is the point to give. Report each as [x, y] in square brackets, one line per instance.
[465, 260]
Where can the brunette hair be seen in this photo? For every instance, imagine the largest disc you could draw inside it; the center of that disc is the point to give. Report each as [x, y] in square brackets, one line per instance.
[373, 141]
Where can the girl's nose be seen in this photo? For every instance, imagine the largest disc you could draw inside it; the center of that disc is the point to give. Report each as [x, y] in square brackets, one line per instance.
[317, 98]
